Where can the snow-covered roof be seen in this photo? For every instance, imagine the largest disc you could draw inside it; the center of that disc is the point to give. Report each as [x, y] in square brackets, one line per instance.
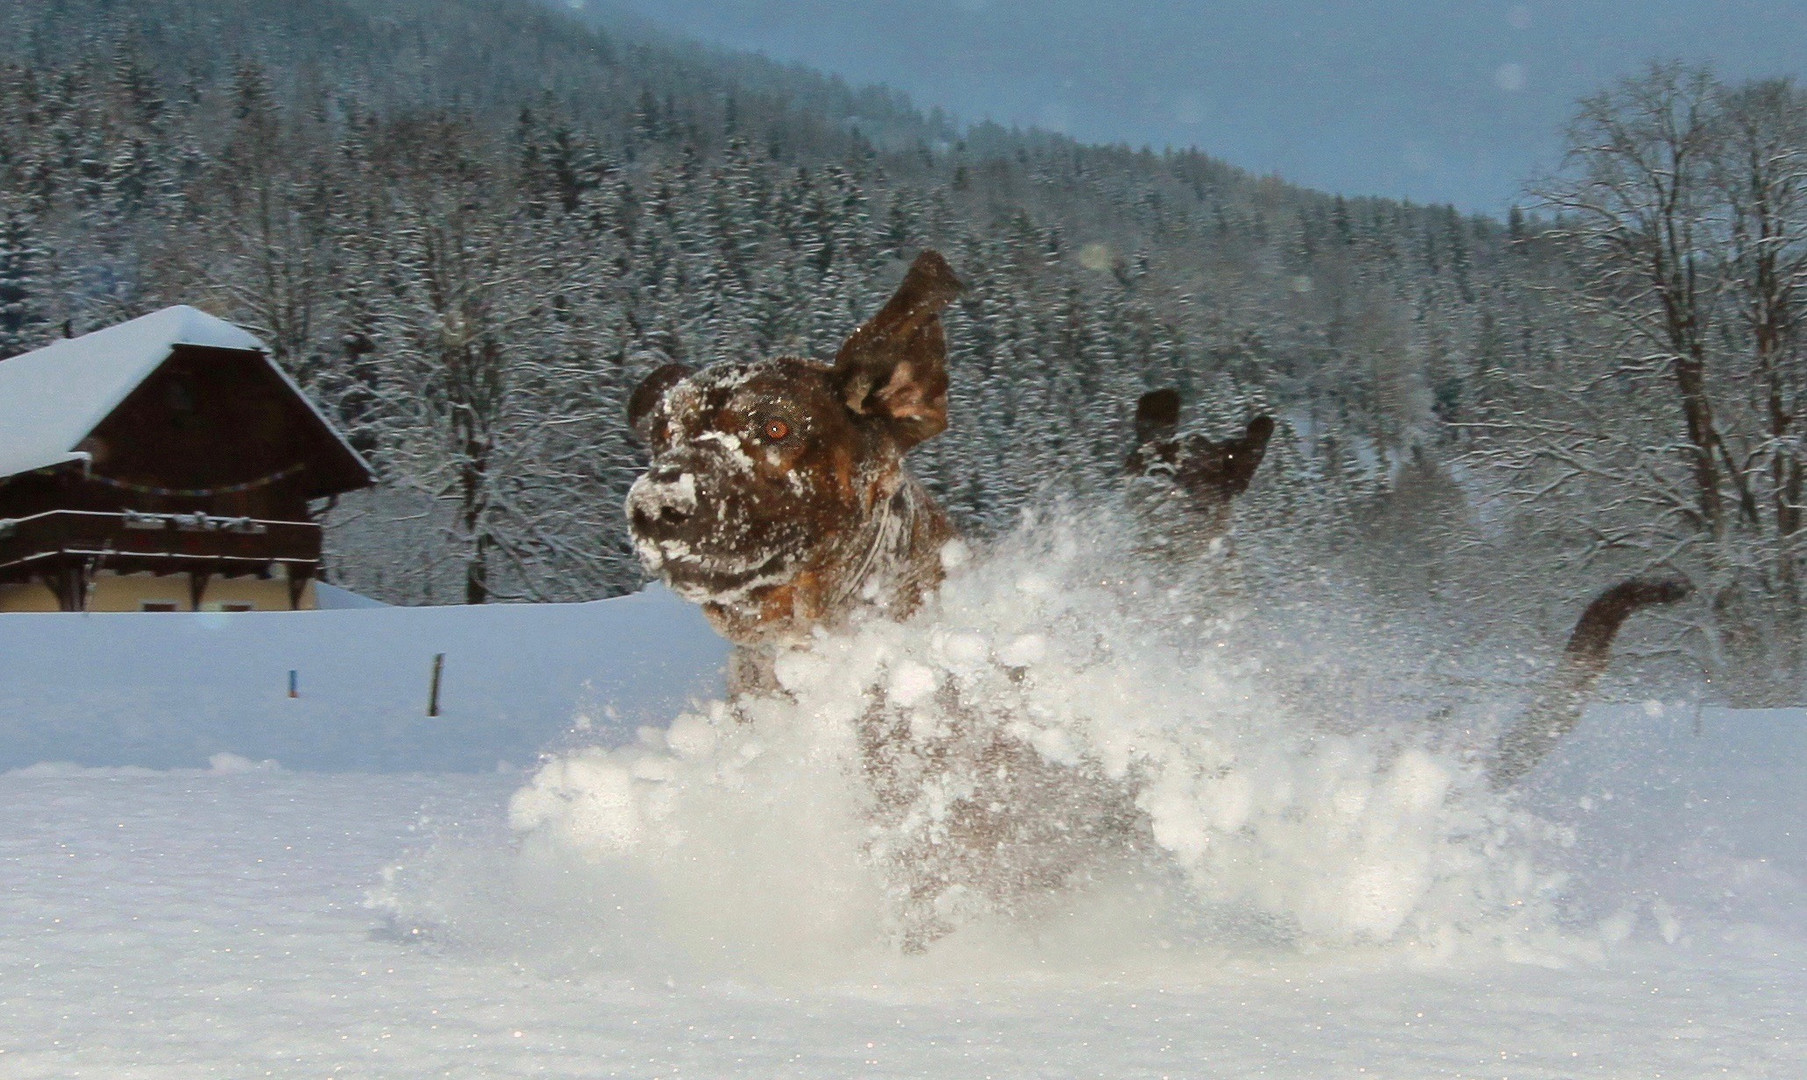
[52, 398]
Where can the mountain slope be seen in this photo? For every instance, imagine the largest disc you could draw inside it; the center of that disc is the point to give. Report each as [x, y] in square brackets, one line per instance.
[352, 177]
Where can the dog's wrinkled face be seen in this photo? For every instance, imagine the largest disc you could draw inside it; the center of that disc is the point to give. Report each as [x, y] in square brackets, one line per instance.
[756, 466]
[1194, 472]
[768, 476]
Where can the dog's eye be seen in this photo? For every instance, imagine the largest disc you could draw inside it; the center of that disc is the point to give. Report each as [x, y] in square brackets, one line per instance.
[776, 430]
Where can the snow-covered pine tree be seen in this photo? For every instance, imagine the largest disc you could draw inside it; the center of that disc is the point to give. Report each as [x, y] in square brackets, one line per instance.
[23, 324]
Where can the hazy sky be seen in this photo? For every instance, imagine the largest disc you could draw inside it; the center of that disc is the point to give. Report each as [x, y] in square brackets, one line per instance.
[1434, 101]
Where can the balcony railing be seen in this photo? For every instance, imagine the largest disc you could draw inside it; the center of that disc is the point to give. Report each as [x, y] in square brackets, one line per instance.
[168, 543]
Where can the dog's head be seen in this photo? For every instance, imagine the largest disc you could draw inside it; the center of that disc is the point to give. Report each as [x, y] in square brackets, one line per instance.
[767, 474]
[1192, 471]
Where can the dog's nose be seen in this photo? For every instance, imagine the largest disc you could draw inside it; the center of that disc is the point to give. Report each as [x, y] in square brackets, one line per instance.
[663, 501]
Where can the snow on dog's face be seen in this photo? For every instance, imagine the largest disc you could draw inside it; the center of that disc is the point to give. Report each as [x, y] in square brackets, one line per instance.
[755, 465]
[766, 475]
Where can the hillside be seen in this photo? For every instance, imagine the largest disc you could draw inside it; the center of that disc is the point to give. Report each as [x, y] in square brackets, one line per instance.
[468, 228]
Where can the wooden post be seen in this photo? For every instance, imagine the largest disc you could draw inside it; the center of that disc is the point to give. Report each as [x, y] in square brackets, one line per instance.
[433, 693]
[298, 579]
[70, 584]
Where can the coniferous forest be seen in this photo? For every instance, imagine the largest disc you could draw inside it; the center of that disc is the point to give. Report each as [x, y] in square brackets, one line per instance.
[468, 228]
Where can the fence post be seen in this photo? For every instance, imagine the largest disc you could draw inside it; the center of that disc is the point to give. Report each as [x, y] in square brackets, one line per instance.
[433, 694]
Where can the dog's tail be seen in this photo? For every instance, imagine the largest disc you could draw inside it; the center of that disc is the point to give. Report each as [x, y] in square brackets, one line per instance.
[1557, 709]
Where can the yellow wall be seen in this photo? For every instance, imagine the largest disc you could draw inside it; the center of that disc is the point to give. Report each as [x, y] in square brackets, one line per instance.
[271, 595]
[128, 592]
[32, 597]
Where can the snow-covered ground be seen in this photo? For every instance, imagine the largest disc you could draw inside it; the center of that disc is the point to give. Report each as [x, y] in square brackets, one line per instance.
[197, 924]
[169, 690]
[226, 918]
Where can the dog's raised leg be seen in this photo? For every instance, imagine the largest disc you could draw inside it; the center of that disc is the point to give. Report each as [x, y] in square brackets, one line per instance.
[1557, 709]
[1195, 479]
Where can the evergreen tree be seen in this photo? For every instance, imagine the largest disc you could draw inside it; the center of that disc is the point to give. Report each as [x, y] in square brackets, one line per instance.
[22, 318]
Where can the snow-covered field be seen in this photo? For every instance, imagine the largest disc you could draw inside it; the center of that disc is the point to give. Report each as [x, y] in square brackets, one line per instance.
[214, 923]
[227, 918]
[171, 690]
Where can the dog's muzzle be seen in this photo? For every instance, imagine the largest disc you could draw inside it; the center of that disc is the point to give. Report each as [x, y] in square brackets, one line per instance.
[661, 503]
[680, 536]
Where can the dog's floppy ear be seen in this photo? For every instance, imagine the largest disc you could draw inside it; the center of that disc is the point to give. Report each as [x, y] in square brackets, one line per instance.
[895, 366]
[1157, 415]
[646, 397]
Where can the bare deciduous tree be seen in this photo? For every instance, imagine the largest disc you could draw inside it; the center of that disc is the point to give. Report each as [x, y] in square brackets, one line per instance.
[1664, 432]
[493, 385]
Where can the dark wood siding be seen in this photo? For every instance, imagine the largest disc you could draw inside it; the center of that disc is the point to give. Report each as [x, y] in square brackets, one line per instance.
[206, 468]
[222, 422]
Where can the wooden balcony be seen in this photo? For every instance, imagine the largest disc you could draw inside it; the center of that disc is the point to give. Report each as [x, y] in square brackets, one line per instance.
[58, 541]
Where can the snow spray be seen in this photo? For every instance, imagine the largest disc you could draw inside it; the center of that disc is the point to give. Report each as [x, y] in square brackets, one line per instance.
[752, 819]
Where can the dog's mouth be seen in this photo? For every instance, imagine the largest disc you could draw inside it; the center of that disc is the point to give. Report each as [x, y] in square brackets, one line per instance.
[700, 577]
[682, 540]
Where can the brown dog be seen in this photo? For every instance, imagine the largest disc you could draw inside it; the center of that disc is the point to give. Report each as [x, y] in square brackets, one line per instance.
[778, 500]
[1190, 480]
[777, 497]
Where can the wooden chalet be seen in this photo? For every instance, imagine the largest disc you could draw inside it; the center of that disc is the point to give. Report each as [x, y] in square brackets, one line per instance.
[164, 464]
